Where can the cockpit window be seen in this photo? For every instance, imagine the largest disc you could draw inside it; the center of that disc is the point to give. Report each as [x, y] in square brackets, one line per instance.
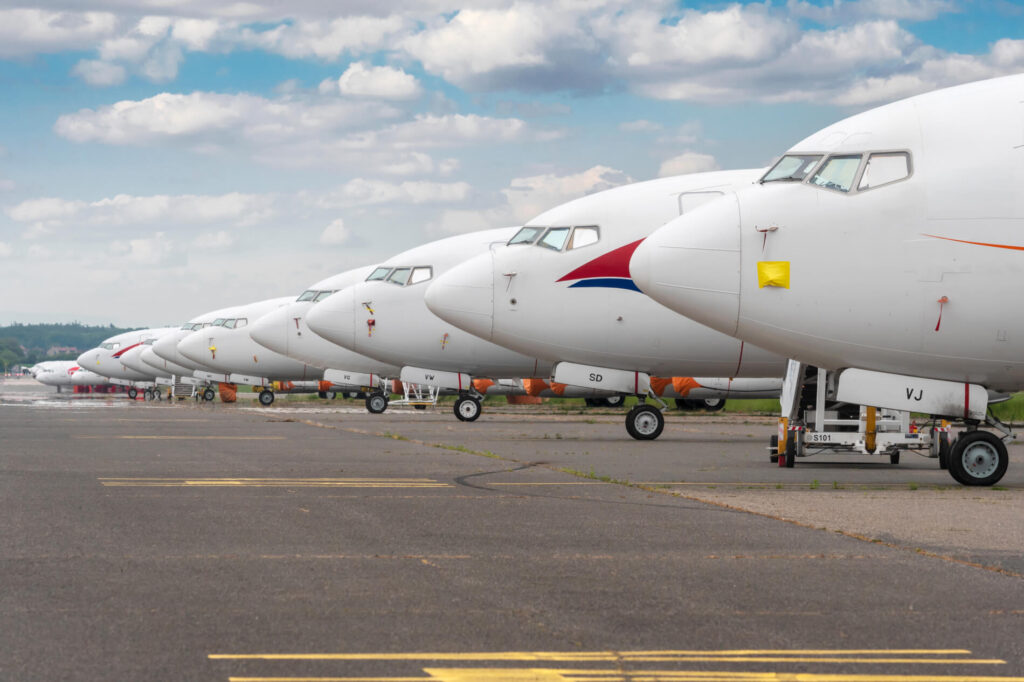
[584, 236]
[219, 322]
[399, 276]
[229, 324]
[322, 295]
[307, 295]
[837, 173]
[881, 169]
[527, 235]
[241, 322]
[555, 238]
[379, 273]
[188, 326]
[792, 168]
[110, 345]
[149, 342]
[421, 274]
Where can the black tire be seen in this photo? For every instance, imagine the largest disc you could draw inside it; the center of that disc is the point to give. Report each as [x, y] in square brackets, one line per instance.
[593, 402]
[712, 404]
[614, 401]
[331, 395]
[322, 395]
[376, 403]
[645, 422]
[944, 450]
[266, 398]
[419, 407]
[790, 455]
[467, 408]
[978, 458]
[894, 457]
[773, 449]
[148, 394]
[684, 404]
[133, 393]
[209, 395]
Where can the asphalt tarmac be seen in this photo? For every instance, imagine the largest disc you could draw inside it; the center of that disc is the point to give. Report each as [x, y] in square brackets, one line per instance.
[314, 541]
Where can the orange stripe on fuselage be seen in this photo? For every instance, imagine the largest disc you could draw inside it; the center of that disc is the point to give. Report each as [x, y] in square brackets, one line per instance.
[964, 241]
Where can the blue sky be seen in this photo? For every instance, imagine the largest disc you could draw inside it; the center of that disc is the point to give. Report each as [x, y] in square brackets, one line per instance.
[158, 159]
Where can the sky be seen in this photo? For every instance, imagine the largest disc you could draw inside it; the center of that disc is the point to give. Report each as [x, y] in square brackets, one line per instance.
[163, 158]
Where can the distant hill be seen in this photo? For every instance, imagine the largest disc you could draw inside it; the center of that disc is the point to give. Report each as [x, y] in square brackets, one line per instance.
[29, 343]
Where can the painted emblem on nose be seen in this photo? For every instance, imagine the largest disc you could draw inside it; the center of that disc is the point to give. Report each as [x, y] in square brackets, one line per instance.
[609, 271]
[444, 341]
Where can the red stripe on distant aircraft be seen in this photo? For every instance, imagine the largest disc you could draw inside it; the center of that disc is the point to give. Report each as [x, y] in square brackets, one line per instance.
[615, 263]
[964, 241]
[121, 352]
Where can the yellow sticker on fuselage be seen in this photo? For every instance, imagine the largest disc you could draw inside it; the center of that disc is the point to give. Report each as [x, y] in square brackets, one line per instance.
[773, 273]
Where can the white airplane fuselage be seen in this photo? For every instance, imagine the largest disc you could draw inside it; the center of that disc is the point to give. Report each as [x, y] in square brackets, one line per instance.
[166, 347]
[390, 321]
[285, 330]
[897, 249]
[565, 295]
[105, 359]
[230, 349]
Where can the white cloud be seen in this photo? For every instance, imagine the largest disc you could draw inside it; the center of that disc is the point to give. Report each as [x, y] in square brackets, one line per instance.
[640, 126]
[527, 197]
[214, 241]
[31, 31]
[151, 251]
[364, 80]
[362, 192]
[327, 40]
[840, 12]
[687, 162]
[98, 72]
[335, 233]
[5, 250]
[125, 209]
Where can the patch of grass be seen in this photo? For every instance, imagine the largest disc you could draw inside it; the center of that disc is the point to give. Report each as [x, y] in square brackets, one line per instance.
[913, 486]
[836, 486]
[815, 484]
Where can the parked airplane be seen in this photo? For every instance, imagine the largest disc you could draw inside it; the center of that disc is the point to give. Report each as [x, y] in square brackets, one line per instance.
[164, 353]
[235, 358]
[285, 331]
[105, 359]
[560, 290]
[385, 318]
[57, 373]
[879, 243]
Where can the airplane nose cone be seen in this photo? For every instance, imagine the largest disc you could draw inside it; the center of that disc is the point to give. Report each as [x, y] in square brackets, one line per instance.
[166, 346]
[464, 296]
[334, 318]
[692, 265]
[196, 347]
[271, 331]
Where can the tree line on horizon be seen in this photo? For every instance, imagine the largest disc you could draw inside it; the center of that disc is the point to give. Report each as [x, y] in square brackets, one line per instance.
[27, 344]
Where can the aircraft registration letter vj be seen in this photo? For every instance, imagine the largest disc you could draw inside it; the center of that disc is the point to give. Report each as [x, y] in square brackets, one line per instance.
[773, 273]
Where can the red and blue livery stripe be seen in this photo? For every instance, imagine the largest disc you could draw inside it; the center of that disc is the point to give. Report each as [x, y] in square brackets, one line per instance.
[609, 271]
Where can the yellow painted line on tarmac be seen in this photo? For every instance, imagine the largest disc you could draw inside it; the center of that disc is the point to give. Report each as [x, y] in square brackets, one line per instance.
[275, 482]
[569, 675]
[91, 437]
[669, 655]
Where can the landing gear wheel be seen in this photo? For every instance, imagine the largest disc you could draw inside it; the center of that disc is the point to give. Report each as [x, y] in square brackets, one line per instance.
[645, 422]
[593, 402]
[614, 401]
[773, 449]
[684, 404]
[712, 404]
[376, 403]
[209, 395]
[148, 394]
[331, 395]
[943, 448]
[322, 395]
[978, 458]
[419, 407]
[467, 408]
[266, 397]
[788, 459]
[894, 457]
[133, 393]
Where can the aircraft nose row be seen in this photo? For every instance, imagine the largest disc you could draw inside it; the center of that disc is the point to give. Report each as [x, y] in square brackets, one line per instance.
[464, 296]
[334, 318]
[692, 264]
[271, 330]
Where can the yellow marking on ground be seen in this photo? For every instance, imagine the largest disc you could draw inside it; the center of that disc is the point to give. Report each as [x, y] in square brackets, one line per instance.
[90, 437]
[233, 482]
[655, 655]
[569, 675]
